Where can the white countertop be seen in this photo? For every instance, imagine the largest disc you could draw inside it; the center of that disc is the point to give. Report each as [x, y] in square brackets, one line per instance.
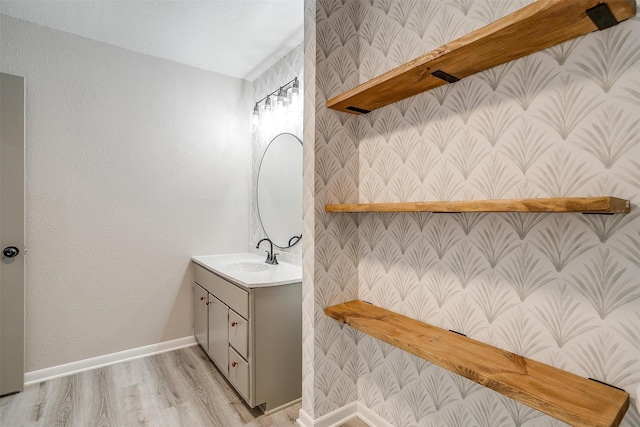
[250, 270]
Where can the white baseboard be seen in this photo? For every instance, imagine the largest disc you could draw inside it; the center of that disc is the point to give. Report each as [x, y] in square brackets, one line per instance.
[332, 419]
[304, 420]
[34, 377]
[342, 415]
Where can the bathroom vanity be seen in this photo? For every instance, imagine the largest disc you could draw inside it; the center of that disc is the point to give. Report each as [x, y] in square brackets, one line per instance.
[248, 318]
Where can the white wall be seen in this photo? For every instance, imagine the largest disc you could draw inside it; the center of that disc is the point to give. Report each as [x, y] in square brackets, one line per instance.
[133, 165]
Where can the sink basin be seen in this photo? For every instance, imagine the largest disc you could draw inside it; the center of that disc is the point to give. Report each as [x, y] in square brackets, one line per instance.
[250, 270]
[249, 265]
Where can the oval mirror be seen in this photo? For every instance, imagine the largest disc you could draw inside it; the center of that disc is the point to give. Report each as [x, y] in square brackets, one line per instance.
[280, 190]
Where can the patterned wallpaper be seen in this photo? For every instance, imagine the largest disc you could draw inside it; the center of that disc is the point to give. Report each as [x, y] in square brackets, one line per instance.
[290, 66]
[563, 289]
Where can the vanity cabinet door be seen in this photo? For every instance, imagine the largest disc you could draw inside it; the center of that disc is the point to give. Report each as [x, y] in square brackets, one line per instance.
[201, 316]
[238, 333]
[218, 334]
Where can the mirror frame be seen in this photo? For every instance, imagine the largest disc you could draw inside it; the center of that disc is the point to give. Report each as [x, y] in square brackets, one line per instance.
[295, 238]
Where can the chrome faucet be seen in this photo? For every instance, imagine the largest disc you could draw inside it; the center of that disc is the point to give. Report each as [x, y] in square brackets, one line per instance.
[271, 257]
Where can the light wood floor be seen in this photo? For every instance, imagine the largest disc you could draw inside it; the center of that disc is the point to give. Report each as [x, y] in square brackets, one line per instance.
[179, 388]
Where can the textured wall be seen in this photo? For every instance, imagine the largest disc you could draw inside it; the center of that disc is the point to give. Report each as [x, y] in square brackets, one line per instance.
[563, 289]
[133, 165]
[290, 66]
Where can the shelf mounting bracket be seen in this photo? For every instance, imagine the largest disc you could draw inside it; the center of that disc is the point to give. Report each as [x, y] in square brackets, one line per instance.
[601, 16]
[358, 110]
[445, 76]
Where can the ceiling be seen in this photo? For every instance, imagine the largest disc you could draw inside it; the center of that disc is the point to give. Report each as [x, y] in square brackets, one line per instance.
[239, 38]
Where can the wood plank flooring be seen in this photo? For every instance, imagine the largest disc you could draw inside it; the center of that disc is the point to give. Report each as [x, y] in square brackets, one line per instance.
[178, 388]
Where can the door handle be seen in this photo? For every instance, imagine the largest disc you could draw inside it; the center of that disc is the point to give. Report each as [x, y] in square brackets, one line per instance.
[10, 251]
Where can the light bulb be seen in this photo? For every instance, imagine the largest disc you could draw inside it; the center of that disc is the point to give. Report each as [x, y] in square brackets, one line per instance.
[295, 89]
[280, 97]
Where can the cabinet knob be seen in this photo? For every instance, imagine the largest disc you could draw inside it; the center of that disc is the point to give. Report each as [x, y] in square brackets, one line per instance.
[208, 302]
[234, 364]
[234, 323]
[201, 298]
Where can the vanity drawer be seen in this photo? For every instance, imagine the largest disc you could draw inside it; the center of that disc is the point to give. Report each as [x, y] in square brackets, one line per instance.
[238, 333]
[228, 293]
[239, 373]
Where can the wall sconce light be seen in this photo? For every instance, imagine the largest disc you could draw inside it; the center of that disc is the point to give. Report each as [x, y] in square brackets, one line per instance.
[283, 97]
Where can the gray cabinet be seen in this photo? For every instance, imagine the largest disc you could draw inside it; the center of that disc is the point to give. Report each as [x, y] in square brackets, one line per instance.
[254, 337]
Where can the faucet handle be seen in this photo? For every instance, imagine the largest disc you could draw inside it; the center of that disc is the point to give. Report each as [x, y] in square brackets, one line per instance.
[274, 259]
[269, 256]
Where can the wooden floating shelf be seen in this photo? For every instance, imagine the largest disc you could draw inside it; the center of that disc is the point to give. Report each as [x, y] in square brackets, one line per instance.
[603, 204]
[560, 394]
[535, 27]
